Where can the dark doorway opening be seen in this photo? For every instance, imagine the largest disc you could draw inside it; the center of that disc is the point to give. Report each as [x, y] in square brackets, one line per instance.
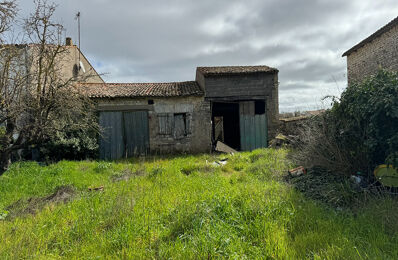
[225, 118]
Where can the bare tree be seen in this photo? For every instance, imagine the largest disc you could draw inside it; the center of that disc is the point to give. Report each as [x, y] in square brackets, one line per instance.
[37, 101]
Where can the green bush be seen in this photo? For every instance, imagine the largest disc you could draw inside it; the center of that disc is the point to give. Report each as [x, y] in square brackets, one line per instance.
[360, 131]
[71, 145]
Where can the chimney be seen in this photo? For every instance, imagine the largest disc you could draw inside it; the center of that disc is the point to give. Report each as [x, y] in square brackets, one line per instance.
[68, 41]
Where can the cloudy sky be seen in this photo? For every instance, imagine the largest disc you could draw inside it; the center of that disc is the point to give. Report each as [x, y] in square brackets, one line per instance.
[165, 40]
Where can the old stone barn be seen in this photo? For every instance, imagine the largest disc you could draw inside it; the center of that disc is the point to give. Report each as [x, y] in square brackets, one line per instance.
[237, 105]
[379, 50]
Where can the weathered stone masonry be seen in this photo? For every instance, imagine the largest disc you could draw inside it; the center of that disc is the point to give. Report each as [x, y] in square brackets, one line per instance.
[180, 116]
[380, 50]
[198, 138]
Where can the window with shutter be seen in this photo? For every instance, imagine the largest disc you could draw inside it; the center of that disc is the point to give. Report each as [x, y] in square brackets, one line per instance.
[180, 124]
[165, 124]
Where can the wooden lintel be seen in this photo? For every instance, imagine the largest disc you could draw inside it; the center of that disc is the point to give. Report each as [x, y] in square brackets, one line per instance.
[239, 98]
[125, 107]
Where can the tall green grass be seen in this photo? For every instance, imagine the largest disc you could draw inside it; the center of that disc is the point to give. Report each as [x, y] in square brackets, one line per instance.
[184, 207]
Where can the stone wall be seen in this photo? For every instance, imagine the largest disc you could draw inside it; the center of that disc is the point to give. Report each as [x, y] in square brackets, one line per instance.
[244, 87]
[197, 110]
[292, 126]
[382, 52]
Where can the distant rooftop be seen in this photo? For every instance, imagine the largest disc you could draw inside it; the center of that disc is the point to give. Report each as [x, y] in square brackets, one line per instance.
[229, 70]
[376, 34]
[119, 90]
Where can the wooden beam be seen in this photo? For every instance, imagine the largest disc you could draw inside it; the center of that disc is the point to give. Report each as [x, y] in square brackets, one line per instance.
[125, 107]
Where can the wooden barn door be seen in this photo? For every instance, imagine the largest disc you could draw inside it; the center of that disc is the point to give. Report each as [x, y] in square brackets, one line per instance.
[125, 134]
[253, 126]
[136, 133]
[111, 144]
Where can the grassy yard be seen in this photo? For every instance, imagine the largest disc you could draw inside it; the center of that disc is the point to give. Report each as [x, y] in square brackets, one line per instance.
[183, 207]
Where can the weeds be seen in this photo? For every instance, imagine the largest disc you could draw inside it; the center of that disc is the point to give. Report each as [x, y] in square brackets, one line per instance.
[182, 208]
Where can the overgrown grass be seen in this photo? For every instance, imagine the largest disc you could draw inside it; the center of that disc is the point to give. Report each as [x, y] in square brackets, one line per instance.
[184, 207]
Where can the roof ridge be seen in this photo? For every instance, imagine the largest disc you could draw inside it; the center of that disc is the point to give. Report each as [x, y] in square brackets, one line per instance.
[163, 89]
[138, 83]
[227, 70]
[373, 36]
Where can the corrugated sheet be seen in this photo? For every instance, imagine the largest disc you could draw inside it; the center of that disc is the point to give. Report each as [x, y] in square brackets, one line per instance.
[253, 128]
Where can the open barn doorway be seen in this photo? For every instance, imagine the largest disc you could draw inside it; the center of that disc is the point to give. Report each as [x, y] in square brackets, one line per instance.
[225, 118]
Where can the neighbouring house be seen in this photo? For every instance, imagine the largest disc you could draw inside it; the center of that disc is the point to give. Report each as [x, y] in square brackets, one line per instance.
[237, 105]
[379, 50]
[70, 63]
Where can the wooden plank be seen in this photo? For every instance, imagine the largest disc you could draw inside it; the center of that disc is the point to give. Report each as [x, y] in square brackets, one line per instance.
[264, 130]
[221, 147]
[252, 132]
[165, 123]
[179, 126]
[111, 141]
[145, 137]
[247, 132]
[257, 125]
[118, 108]
[137, 134]
[250, 105]
[242, 132]
[234, 98]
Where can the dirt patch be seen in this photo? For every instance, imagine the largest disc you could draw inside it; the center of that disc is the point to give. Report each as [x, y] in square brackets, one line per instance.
[31, 206]
[126, 175]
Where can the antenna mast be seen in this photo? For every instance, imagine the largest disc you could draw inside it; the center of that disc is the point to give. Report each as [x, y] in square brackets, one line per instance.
[78, 30]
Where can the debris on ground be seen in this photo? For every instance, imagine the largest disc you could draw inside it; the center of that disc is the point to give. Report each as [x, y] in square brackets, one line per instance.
[221, 147]
[281, 140]
[221, 162]
[31, 206]
[297, 171]
[100, 188]
[387, 175]
[356, 179]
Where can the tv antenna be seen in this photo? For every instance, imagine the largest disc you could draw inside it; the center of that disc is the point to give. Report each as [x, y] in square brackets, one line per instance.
[78, 31]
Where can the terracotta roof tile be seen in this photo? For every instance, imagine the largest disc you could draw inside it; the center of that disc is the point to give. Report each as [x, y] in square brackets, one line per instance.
[376, 34]
[229, 70]
[117, 90]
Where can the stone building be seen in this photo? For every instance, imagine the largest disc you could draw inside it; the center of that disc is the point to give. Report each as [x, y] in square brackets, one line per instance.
[379, 50]
[237, 105]
[142, 118]
[70, 63]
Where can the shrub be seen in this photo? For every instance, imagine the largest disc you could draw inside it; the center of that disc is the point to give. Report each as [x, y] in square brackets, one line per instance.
[70, 145]
[359, 132]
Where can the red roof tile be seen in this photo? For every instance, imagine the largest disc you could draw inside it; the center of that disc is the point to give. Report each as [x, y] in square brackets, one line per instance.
[118, 90]
[229, 70]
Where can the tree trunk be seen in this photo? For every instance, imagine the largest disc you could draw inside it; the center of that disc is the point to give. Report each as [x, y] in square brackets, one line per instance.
[5, 161]
[5, 142]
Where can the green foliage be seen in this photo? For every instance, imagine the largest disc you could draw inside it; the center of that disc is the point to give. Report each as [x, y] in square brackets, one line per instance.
[184, 208]
[359, 132]
[76, 144]
[367, 117]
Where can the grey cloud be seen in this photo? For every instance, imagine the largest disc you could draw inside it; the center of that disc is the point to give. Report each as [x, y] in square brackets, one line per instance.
[158, 40]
